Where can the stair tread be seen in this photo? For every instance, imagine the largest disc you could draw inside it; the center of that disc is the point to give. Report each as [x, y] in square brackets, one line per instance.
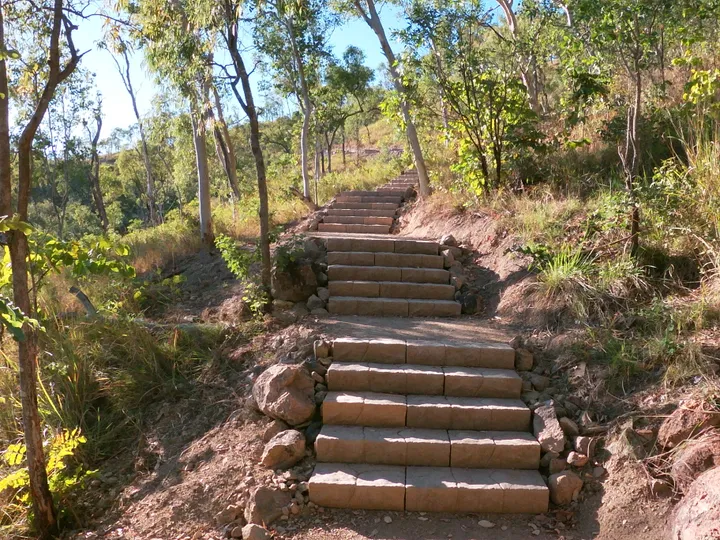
[427, 447]
[448, 489]
[424, 379]
[404, 274]
[392, 289]
[402, 307]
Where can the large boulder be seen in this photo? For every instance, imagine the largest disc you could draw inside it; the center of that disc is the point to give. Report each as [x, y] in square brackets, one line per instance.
[295, 283]
[687, 420]
[697, 516]
[694, 458]
[547, 429]
[265, 505]
[286, 393]
[284, 450]
[564, 487]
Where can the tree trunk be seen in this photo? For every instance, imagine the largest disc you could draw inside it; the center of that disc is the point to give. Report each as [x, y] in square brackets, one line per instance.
[201, 159]
[45, 519]
[343, 148]
[94, 175]
[248, 106]
[224, 147]
[306, 108]
[630, 155]
[373, 20]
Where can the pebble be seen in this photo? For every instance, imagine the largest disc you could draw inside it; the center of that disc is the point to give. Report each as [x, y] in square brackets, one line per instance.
[485, 524]
[387, 519]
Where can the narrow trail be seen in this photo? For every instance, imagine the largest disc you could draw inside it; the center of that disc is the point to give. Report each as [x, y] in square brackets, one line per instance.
[421, 414]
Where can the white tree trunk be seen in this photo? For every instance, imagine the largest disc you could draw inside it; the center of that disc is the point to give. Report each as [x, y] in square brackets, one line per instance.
[201, 160]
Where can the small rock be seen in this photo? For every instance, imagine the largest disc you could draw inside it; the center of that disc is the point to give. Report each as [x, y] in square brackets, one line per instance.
[448, 240]
[387, 519]
[320, 312]
[322, 279]
[255, 532]
[527, 386]
[585, 445]
[236, 532]
[547, 459]
[228, 515]
[485, 524]
[564, 487]
[300, 309]
[317, 377]
[285, 392]
[523, 360]
[689, 418]
[539, 382]
[569, 427]
[694, 457]
[577, 460]
[547, 429]
[557, 465]
[324, 294]
[599, 472]
[320, 397]
[265, 505]
[314, 302]
[275, 427]
[284, 450]
[448, 258]
[321, 348]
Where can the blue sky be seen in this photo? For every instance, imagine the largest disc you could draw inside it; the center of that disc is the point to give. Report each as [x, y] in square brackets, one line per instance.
[117, 108]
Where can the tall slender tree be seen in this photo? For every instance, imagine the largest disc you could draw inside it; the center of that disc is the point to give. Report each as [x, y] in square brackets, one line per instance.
[52, 33]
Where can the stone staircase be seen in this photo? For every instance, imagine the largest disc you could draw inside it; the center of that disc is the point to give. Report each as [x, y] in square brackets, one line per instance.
[426, 426]
[383, 276]
[369, 211]
[407, 424]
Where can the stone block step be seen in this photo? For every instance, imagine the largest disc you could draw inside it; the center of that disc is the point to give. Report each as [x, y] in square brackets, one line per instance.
[367, 258]
[428, 489]
[429, 353]
[392, 289]
[423, 380]
[398, 191]
[429, 412]
[385, 245]
[359, 220]
[361, 212]
[365, 205]
[367, 199]
[340, 272]
[428, 447]
[353, 228]
[392, 307]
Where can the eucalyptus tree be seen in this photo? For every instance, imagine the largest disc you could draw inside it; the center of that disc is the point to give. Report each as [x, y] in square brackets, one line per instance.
[37, 53]
[367, 10]
[293, 36]
[180, 52]
[626, 35]
[121, 50]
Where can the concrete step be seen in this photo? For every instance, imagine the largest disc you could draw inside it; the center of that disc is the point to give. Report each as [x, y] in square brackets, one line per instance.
[385, 245]
[340, 272]
[392, 289]
[366, 199]
[353, 228]
[428, 447]
[395, 260]
[428, 489]
[428, 353]
[425, 411]
[359, 220]
[398, 191]
[392, 307]
[361, 212]
[423, 380]
[365, 205]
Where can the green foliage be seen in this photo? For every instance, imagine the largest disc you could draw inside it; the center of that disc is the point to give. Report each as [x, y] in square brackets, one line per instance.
[238, 260]
[13, 319]
[288, 252]
[65, 473]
